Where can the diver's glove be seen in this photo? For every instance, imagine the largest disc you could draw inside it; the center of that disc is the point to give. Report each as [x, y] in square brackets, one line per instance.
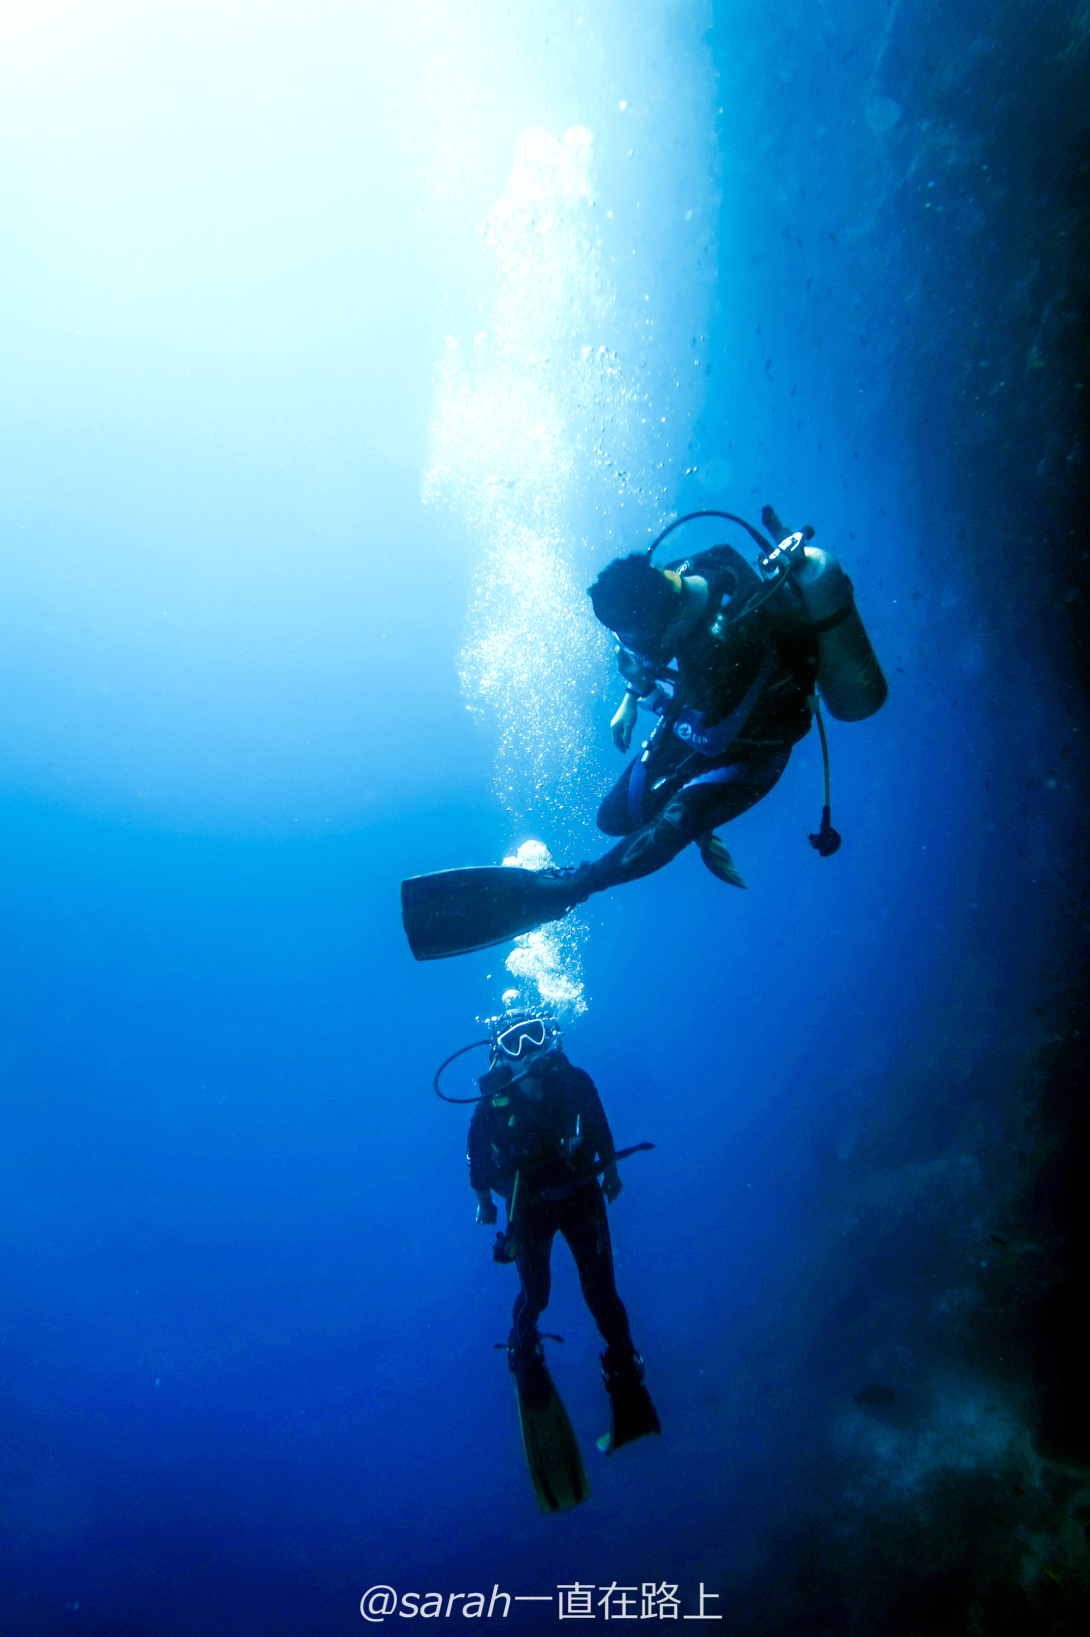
[611, 1182]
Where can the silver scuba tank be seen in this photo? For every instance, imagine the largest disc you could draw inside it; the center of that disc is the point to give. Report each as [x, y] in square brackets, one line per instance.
[849, 676]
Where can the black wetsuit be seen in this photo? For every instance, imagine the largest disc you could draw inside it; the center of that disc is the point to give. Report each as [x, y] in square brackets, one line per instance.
[512, 1133]
[730, 710]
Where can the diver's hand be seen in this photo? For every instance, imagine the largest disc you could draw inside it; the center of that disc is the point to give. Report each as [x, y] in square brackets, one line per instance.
[486, 1210]
[611, 1182]
[624, 720]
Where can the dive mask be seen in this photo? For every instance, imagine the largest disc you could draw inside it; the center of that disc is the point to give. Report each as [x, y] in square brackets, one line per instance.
[527, 1036]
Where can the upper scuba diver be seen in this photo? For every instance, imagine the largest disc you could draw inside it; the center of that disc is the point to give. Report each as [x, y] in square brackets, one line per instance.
[540, 1139]
[731, 660]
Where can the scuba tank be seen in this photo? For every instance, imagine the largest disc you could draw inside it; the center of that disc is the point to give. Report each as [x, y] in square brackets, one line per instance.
[849, 676]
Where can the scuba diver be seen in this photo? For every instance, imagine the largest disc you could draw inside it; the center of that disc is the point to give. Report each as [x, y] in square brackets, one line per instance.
[731, 660]
[540, 1139]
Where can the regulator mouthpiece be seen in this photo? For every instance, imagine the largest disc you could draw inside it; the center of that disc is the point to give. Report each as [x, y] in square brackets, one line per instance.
[827, 839]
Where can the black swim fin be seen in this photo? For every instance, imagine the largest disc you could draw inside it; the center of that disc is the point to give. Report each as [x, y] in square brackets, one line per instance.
[633, 1414]
[552, 1454]
[454, 911]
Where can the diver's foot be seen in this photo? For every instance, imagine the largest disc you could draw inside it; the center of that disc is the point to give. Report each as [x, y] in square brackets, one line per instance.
[524, 1350]
[633, 1414]
[568, 884]
[526, 1361]
[718, 860]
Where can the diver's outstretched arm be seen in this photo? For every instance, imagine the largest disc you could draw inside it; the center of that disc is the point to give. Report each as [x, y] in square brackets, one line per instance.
[623, 722]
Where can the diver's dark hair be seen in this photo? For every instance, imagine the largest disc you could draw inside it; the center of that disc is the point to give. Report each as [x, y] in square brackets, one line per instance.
[630, 595]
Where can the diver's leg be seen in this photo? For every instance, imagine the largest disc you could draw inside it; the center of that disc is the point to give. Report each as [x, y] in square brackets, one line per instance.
[583, 1221]
[729, 791]
[615, 814]
[643, 789]
[709, 799]
[585, 1226]
[535, 1243]
[645, 850]
[729, 788]
[525, 1352]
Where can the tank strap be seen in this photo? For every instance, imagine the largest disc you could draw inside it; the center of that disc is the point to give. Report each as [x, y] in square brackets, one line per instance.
[831, 621]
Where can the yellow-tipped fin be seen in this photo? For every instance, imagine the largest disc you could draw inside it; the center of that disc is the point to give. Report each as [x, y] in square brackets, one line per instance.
[718, 861]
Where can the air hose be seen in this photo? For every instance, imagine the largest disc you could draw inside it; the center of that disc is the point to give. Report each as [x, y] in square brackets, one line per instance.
[460, 1053]
[827, 839]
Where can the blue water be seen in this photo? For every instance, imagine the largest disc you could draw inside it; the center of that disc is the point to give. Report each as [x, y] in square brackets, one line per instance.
[342, 347]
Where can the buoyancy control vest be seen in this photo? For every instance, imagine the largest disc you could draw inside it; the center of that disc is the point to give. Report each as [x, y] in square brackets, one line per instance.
[548, 1138]
[753, 673]
[816, 601]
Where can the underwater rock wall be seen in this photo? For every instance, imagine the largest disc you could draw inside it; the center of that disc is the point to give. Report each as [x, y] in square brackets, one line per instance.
[945, 235]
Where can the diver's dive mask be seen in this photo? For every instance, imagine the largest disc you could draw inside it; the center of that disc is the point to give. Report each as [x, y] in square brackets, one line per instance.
[527, 1035]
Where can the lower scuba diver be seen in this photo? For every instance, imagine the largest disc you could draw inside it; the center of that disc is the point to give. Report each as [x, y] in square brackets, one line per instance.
[732, 661]
[539, 1138]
